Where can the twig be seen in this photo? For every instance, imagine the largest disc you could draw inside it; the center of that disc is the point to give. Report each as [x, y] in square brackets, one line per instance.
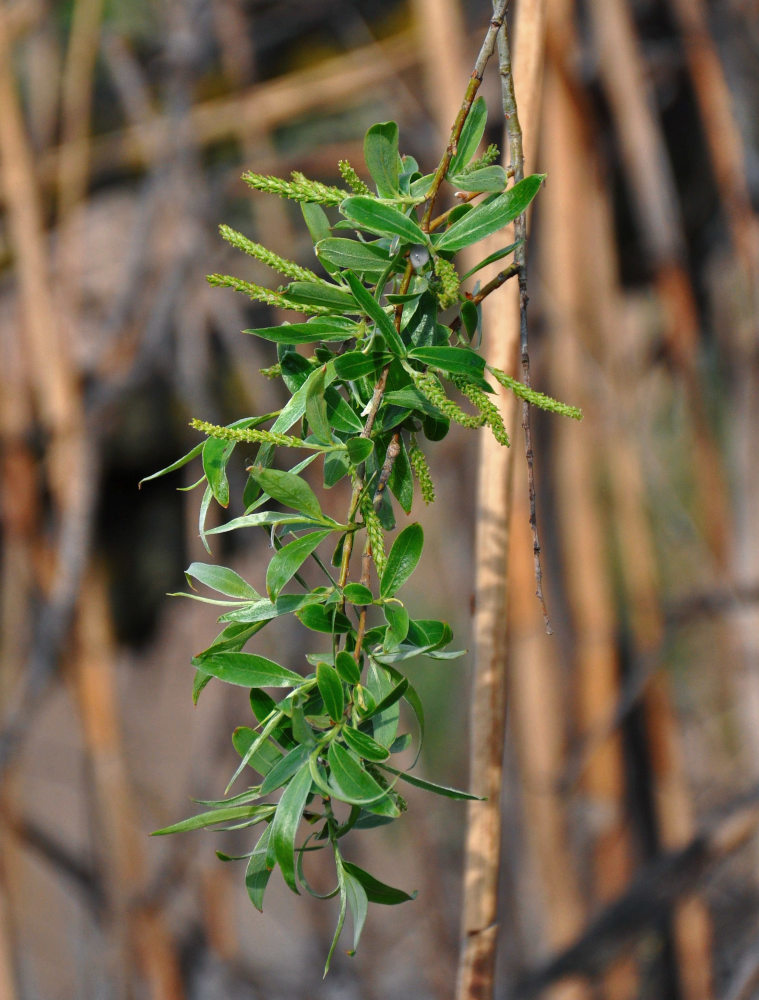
[393, 451]
[514, 132]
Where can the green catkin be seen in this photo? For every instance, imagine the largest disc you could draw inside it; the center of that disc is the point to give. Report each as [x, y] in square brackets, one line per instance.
[429, 385]
[279, 264]
[418, 461]
[274, 371]
[486, 406]
[491, 154]
[248, 435]
[448, 292]
[534, 397]
[375, 534]
[352, 179]
[265, 295]
[299, 188]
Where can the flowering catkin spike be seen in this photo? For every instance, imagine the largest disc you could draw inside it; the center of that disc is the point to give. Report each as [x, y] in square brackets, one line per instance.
[485, 405]
[274, 371]
[534, 397]
[429, 385]
[418, 461]
[490, 155]
[352, 179]
[300, 188]
[448, 292]
[375, 534]
[248, 435]
[280, 264]
[260, 294]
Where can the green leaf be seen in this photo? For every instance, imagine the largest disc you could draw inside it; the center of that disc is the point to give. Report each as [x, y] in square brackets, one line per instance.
[347, 667]
[384, 220]
[286, 563]
[401, 481]
[398, 621]
[390, 699]
[350, 781]
[285, 768]
[316, 220]
[430, 786]
[402, 559]
[174, 465]
[327, 620]
[331, 689]
[359, 449]
[317, 293]
[287, 488]
[381, 155]
[264, 755]
[471, 136]
[247, 670]
[411, 399]
[358, 594]
[316, 408]
[323, 328]
[471, 317]
[284, 826]
[491, 215]
[491, 259]
[269, 519]
[376, 891]
[257, 875]
[355, 364]
[336, 465]
[222, 580]
[375, 312]
[215, 816]
[459, 360]
[363, 258]
[216, 453]
[265, 610]
[364, 745]
[492, 178]
[358, 903]
[341, 416]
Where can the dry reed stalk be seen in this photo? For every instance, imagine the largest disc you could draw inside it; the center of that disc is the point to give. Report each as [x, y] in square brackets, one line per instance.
[623, 360]
[21, 16]
[121, 854]
[581, 518]
[721, 130]
[501, 325]
[440, 29]
[7, 976]
[654, 195]
[539, 713]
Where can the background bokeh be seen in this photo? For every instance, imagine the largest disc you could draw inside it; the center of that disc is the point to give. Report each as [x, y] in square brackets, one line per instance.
[633, 731]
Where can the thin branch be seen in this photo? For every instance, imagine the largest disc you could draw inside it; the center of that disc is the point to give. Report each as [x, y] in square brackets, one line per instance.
[514, 132]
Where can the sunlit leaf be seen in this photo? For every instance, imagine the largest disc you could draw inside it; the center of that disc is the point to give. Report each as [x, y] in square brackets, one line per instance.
[381, 155]
[384, 220]
[247, 670]
[331, 689]
[492, 215]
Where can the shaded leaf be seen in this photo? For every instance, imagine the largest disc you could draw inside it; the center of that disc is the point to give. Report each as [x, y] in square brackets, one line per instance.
[402, 559]
[347, 667]
[331, 689]
[358, 904]
[286, 563]
[214, 816]
[257, 875]
[459, 360]
[375, 312]
[358, 594]
[285, 768]
[351, 783]
[491, 178]
[284, 826]
[286, 487]
[247, 670]
[430, 786]
[354, 364]
[376, 891]
[362, 258]
[364, 745]
[321, 619]
[359, 449]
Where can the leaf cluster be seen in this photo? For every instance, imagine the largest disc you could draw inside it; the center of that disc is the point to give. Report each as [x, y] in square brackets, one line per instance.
[392, 336]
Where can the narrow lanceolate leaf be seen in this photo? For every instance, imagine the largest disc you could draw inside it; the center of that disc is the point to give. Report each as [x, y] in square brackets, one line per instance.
[214, 816]
[316, 408]
[381, 155]
[318, 293]
[286, 563]
[402, 559]
[331, 689]
[491, 215]
[376, 891]
[323, 328]
[364, 745]
[174, 465]
[216, 453]
[430, 786]
[288, 488]
[354, 364]
[284, 769]
[363, 258]
[284, 826]
[358, 904]
[471, 136]
[375, 312]
[384, 220]
[222, 580]
[459, 360]
[257, 875]
[247, 670]
[350, 781]
[492, 178]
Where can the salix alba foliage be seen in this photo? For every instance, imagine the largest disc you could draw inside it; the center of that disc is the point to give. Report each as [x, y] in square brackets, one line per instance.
[394, 360]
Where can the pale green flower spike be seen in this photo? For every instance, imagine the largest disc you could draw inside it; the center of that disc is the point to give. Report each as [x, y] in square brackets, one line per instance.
[376, 534]
[248, 435]
[352, 179]
[449, 282]
[265, 295]
[486, 406]
[428, 384]
[418, 462]
[491, 154]
[300, 188]
[279, 264]
[534, 397]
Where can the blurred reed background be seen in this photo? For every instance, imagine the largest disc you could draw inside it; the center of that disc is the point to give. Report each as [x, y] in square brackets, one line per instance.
[632, 752]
